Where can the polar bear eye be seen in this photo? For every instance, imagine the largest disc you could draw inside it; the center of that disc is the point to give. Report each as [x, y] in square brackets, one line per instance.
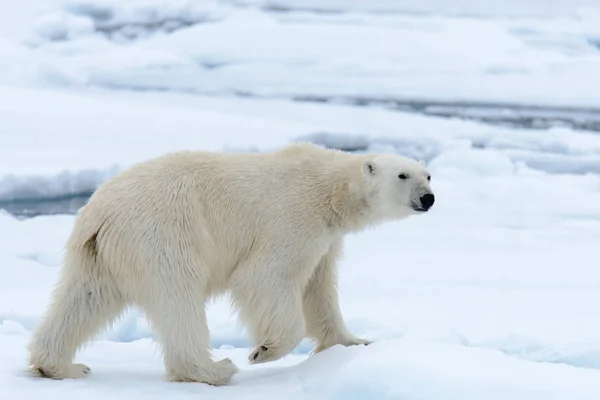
[403, 176]
[428, 177]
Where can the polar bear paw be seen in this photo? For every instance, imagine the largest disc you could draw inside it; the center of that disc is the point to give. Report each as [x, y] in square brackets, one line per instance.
[272, 350]
[268, 353]
[222, 373]
[73, 371]
[346, 341]
[217, 374]
[261, 354]
[77, 371]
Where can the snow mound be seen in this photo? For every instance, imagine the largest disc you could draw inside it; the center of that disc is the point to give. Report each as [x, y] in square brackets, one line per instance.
[399, 369]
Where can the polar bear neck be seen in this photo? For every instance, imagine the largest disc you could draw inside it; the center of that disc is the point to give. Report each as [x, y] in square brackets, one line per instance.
[350, 205]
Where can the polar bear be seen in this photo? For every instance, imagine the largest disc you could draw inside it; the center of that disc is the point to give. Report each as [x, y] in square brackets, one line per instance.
[170, 233]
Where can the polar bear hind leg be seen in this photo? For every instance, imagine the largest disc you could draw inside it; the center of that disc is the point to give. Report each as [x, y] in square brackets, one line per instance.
[84, 301]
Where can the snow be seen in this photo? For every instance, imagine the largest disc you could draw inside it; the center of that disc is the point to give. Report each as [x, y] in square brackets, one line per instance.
[491, 295]
[531, 53]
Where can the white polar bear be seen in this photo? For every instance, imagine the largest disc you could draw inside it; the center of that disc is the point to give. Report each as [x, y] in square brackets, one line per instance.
[170, 233]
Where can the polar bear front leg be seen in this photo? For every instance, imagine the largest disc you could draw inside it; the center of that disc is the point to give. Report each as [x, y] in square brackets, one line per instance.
[322, 312]
[270, 306]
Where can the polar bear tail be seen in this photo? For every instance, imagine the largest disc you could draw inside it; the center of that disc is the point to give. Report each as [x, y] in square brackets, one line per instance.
[83, 302]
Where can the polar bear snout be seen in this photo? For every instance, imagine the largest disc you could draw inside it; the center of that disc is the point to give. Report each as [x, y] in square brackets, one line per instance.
[427, 201]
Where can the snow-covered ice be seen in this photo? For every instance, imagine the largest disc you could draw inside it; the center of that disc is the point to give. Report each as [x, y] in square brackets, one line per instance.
[492, 295]
[537, 54]
[517, 51]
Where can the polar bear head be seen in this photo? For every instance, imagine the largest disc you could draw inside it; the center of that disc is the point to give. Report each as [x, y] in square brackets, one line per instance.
[398, 186]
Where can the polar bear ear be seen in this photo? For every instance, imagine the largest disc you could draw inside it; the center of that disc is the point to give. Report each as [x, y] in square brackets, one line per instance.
[423, 163]
[369, 167]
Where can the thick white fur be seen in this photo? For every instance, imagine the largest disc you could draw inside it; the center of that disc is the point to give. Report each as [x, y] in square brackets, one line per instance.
[170, 233]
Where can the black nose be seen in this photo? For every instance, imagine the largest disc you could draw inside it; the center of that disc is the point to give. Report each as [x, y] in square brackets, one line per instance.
[427, 201]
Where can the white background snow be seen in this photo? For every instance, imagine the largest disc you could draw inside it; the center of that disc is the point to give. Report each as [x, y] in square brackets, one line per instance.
[494, 294]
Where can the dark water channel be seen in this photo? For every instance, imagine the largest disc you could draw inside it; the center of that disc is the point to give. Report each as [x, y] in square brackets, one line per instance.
[34, 208]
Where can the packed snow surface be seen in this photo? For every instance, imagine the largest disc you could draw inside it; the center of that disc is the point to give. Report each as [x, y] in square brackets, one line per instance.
[517, 51]
[492, 295]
